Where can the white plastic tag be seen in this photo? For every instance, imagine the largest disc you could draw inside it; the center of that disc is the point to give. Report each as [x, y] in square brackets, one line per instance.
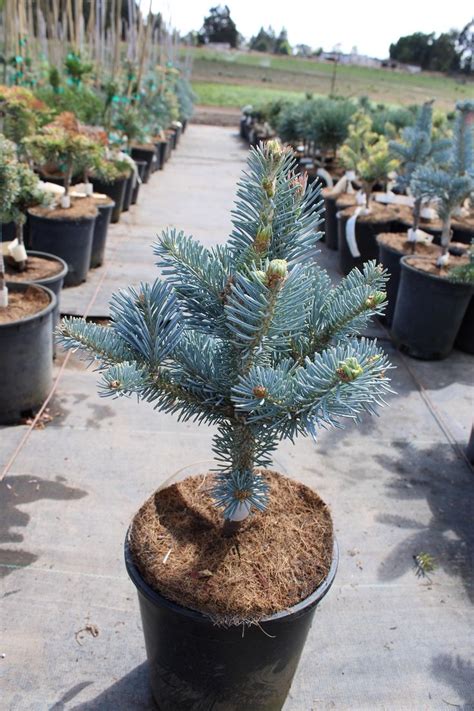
[351, 228]
[65, 201]
[419, 236]
[427, 213]
[361, 198]
[241, 512]
[4, 297]
[17, 251]
[89, 189]
[323, 173]
[443, 260]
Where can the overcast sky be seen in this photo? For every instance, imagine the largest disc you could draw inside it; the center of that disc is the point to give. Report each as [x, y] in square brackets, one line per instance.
[370, 26]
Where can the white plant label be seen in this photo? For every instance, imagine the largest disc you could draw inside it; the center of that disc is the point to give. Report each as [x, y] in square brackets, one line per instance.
[4, 297]
[241, 512]
[322, 173]
[88, 189]
[419, 236]
[443, 260]
[65, 202]
[17, 251]
[351, 231]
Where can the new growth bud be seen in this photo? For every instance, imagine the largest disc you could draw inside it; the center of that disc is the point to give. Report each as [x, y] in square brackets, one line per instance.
[277, 271]
[260, 392]
[269, 187]
[274, 148]
[349, 369]
[262, 239]
[375, 299]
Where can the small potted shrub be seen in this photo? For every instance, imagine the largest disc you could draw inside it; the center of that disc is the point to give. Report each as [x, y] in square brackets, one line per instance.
[419, 147]
[31, 267]
[429, 330]
[26, 318]
[65, 230]
[358, 226]
[249, 336]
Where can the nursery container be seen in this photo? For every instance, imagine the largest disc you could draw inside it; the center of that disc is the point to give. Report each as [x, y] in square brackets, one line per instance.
[366, 232]
[146, 155]
[54, 282]
[332, 203]
[162, 151]
[8, 231]
[70, 239]
[141, 167]
[428, 313]
[26, 360]
[115, 191]
[99, 237]
[390, 259]
[127, 197]
[195, 664]
[465, 338]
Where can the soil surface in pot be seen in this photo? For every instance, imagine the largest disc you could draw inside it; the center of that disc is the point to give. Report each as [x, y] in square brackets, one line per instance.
[277, 559]
[36, 268]
[464, 223]
[23, 304]
[100, 199]
[424, 264]
[144, 146]
[378, 212]
[398, 241]
[80, 207]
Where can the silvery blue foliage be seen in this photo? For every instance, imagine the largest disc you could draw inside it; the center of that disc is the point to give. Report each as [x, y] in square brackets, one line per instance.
[249, 336]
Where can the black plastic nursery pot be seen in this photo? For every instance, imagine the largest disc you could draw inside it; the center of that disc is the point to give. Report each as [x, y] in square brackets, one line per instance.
[26, 361]
[115, 191]
[69, 239]
[54, 283]
[428, 313]
[162, 152]
[141, 167]
[366, 239]
[127, 196]
[333, 203]
[390, 259]
[99, 237]
[465, 338]
[195, 665]
[146, 155]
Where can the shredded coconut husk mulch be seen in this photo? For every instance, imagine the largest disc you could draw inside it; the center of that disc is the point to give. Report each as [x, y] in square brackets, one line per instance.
[277, 559]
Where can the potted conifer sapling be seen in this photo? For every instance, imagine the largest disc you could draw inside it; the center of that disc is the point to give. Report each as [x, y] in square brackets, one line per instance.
[65, 230]
[26, 317]
[252, 338]
[431, 304]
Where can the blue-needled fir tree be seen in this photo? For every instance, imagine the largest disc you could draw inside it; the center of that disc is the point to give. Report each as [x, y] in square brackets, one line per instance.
[250, 335]
[450, 185]
[418, 147]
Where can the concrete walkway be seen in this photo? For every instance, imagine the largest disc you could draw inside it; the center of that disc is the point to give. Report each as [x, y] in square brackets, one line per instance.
[397, 485]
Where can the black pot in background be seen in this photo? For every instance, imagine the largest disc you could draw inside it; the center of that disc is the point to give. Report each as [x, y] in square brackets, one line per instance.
[168, 150]
[428, 313]
[69, 239]
[195, 664]
[161, 150]
[144, 154]
[127, 197]
[333, 203]
[390, 259]
[26, 361]
[185, 123]
[141, 166]
[462, 232]
[465, 338]
[99, 237]
[366, 234]
[115, 191]
[8, 231]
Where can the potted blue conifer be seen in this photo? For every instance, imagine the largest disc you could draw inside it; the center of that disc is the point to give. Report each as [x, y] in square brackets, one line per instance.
[429, 330]
[252, 338]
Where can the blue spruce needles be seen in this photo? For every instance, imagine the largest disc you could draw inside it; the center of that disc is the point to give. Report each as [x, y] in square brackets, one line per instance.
[249, 336]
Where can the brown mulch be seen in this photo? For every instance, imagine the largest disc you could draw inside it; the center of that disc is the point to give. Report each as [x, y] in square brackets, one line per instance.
[277, 559]
[398, 241]
[80, 207]
[428, 265]
[378, 212]
[23, 304]
[36, 268]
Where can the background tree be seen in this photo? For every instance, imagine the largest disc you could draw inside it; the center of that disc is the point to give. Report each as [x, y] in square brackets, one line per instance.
[442, 53]
[282, 46]
[264, 41]
[466, 47]
[219, 27]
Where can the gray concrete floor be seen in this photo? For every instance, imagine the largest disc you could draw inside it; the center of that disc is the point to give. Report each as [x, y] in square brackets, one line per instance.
[397, 486]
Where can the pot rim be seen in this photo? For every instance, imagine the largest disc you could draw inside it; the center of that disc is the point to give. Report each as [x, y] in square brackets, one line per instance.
[433, 277]
[160, 600]
[63, 220]
[18, 286]
[47, 280]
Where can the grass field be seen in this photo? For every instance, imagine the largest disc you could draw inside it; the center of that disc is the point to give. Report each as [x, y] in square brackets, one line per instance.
[235, 78]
